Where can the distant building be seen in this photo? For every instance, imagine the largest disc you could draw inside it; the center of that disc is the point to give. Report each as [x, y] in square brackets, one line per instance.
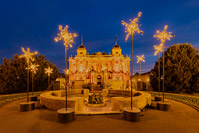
[142, 82]
[99, 68]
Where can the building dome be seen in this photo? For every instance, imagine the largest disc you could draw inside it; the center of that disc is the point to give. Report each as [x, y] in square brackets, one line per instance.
[116, 46]
[81, 46]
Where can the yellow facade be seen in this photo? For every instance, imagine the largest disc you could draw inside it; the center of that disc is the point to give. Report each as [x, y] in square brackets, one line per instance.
[100, 68]
[142, 82]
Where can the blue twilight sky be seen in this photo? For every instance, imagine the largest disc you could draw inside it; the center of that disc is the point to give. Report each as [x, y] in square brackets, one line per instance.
[34, 24]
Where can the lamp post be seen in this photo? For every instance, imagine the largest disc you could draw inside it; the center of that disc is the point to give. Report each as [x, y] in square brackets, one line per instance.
[66, 72]
[29, 57]
[131, 28]
[139, 60]
[48, 71]
[33, 69]
[68, 39]
[158, 49]
[163, 36]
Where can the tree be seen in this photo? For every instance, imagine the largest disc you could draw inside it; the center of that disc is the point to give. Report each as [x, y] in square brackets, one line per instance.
[181, 69]
[13, 74]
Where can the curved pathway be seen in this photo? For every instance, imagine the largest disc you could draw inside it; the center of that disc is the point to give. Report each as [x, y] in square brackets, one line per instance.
[181, 119]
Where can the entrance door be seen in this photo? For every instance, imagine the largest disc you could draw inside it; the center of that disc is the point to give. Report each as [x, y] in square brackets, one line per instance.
[99, 80]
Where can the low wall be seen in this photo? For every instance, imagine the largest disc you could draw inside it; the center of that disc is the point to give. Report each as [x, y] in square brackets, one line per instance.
[190, 100]
[141, 101]
[119, 93]
[55, 100]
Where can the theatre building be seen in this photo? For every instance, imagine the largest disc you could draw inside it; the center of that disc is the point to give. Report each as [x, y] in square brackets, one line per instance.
[99, 68]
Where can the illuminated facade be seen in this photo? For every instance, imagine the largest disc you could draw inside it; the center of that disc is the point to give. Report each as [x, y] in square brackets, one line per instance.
[100, 68]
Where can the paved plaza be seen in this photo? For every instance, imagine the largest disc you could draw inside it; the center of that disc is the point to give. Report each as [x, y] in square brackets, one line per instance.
[181, 119]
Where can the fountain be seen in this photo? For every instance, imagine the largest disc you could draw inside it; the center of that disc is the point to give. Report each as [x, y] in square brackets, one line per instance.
[95, 100]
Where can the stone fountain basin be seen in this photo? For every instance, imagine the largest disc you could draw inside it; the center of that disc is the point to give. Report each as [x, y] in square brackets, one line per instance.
[96, 105]
[141, 101]
[55, 100]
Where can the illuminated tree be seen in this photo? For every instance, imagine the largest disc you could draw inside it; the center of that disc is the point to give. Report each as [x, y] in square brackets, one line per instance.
[158, 49]
[131, 28]
[68, 39]
[139, 60]
[33, 69]
[48, 71]
[163, 36]
[29, 57]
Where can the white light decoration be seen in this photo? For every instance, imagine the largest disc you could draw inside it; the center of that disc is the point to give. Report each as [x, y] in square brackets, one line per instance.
[158, 49]
[163, 36]
[140, 58]
[68, 39]
[48, 71]
[29, 57]
[131, 28]
[34, 68]
[66, 72]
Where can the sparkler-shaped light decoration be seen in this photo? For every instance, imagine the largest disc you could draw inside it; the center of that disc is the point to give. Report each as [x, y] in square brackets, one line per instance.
[158, 49]
[66, 72]
[163, 36]
[68, 39]
[131, 28]
[33, 69]
[29, 57]
[48, 71]
[139, 60]
[64, 35]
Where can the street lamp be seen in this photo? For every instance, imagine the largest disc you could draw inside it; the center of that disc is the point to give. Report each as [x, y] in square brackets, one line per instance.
[67, 75]
[139, 60]
[27, 106]
[158, 49]
[33, 69]
[68, 39]
[131, 28]
[48, 71]
[163, 36]
[29, 57]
